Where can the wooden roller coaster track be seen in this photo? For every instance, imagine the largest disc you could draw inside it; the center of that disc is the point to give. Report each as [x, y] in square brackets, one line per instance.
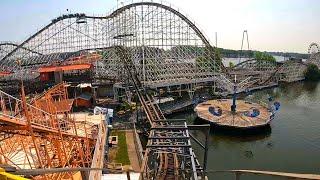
[166, 140]
[42, 134]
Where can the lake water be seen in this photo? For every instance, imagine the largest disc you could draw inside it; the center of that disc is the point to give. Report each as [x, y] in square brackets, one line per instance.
[290, 144]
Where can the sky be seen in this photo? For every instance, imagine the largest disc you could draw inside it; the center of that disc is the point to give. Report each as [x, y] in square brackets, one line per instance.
[272, 25]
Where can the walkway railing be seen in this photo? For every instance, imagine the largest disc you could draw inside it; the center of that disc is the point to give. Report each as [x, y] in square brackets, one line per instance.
[99, 153]
[8, 176]
[14, 111]
[138, 146]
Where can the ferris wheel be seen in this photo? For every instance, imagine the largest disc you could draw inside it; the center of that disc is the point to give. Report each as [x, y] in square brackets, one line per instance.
[313, 48]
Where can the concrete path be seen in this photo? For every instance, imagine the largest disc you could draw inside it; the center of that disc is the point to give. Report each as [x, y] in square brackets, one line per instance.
[132, 151]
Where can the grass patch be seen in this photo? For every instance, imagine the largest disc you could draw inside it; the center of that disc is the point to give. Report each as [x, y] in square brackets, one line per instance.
[122, 149]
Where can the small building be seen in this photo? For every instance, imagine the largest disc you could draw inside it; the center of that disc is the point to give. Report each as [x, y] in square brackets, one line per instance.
[113, 140]
[56, 73]
[83, 100]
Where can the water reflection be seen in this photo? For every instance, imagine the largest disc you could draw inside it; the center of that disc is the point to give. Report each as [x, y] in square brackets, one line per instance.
[295, 90]
[237, 135]
[310, 86]
[290, 144]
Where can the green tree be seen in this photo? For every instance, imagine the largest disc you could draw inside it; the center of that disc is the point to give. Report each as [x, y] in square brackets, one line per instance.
[261, 56]
[210, 60]
[312, 73]
[205, 63]
[217, 54]
[231, 64]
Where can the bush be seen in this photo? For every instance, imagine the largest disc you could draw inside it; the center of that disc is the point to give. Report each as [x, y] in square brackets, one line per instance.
[231, 65]
[312, 73]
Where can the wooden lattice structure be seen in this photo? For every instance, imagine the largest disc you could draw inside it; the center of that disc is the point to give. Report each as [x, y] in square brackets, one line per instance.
[42, 134]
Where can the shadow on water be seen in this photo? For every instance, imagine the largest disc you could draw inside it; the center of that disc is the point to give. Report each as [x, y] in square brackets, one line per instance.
[310, 86]
[225, 133]
[237, 135]
[290, 90]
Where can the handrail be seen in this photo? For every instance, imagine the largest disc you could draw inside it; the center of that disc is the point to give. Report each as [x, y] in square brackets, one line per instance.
[12, 111]
[29, 105]
[99, 153]
[138, 145]
[8, 176]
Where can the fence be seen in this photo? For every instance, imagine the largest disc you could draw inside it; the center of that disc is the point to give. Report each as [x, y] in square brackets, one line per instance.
[138, 145]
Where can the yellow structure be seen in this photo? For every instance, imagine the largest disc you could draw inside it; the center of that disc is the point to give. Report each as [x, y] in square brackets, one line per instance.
[7, 176]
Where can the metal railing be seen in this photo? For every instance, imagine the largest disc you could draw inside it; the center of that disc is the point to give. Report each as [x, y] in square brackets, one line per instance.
[8, 176]
[138, 145]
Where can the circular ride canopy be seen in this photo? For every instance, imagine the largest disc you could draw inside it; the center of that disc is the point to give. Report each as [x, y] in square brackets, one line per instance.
[248, 114]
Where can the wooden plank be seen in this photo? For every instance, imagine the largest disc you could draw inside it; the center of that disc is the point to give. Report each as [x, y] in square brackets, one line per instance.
[99, 152]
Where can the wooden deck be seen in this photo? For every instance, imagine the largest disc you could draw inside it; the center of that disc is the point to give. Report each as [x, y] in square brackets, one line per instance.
[237, 119]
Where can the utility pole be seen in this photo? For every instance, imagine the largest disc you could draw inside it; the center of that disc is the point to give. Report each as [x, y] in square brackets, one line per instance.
[216, 40]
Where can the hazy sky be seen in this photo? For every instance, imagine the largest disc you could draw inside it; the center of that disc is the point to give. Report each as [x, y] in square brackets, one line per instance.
[273, 25]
